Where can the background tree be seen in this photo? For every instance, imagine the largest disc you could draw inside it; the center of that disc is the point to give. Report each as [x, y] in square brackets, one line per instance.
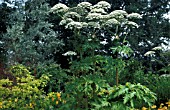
[4, 22]
[31, 40]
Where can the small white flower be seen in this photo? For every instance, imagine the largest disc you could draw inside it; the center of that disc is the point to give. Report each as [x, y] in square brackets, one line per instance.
[69, 53]
[84, 5]
[59, 8]
[112, 38]
[149, 53]
[157, 48]
[134, 15]
[89, 39]
[104, 42]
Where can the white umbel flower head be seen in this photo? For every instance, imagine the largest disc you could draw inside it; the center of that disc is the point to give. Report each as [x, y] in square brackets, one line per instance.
[95, 25]
[112, 22]
[58, 8]
[69, 53]
[102, 4]
[98, 10]
[149, 53]
[105, 16]
[84, 5]
[118, 13]
[94, 16]
[134, 16]
[65, 21]
[74, 25]
[157, 48]
[72, 15]
[84, 24]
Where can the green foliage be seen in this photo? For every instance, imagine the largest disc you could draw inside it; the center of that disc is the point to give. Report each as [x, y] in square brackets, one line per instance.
[19, 71]
[24, 92]
[162, 88]
[57, 76]
[157, 84]
[30, 39]
[96, 45]
[123, 49]
[86, 92]
[133, 95]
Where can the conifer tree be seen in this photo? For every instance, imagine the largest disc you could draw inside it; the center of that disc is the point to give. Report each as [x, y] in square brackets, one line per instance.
[30, 40]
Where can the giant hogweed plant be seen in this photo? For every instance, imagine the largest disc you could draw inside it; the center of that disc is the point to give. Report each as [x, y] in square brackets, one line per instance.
[98, 41]
[95, 30]
[94, 27]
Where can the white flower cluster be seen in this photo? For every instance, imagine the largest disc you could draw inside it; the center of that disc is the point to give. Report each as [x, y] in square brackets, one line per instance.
[105, 17]
[149, 53]
[65, 21]
[71, 15]
[69, 53]
[70, 24]
[84, 24]
[98, 10]
[84, 5]
[112, 22]
[131, 23]
[157, 48]
[74, 25]
[94, 16]
[118, 14]
[94, 24]
[134, 16]
[59, 8]
[104, 42]
[102, 4]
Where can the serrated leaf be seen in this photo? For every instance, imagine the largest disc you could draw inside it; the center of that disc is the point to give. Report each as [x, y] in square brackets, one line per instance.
[132, 103]
[126, 99]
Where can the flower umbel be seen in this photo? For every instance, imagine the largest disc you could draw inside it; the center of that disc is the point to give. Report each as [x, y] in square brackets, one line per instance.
[102, 4]
[59, 8]
[74, 25]
[112, 22]
[69, 53]
[149, 53]
[118, 14]
[134, 16]
[84, 5]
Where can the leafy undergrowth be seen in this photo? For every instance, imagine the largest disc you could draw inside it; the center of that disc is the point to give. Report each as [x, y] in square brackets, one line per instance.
[26, 92]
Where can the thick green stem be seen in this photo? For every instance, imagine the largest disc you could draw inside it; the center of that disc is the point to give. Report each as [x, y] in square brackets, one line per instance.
[117, 77]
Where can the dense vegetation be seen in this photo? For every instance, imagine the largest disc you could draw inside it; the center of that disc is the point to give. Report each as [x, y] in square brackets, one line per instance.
[80, 55]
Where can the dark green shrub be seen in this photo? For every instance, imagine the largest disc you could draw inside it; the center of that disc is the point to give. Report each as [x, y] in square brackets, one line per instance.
[57, 77]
